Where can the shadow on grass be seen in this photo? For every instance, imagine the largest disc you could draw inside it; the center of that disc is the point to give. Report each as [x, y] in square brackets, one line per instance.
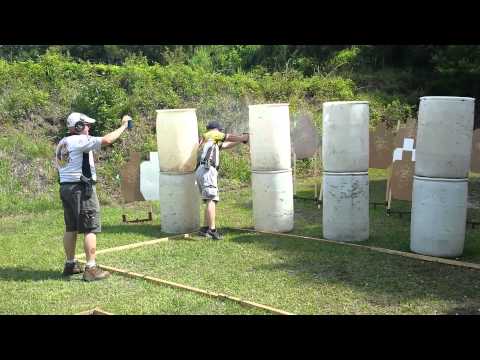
[382, 280]
[29, 274]
[466, 310]
[147, 229]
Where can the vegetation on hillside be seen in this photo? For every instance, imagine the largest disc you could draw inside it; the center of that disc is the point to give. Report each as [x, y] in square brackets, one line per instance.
[41, 85]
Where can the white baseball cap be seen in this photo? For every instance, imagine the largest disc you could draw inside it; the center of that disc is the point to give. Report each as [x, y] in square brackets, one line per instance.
[75, 117]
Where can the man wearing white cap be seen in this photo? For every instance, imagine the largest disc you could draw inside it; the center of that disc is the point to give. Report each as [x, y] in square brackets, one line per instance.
[74, 160]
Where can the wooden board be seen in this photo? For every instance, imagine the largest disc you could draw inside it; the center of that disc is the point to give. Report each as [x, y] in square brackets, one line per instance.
[377, 249]
[130, 179]
[381, 147]
[305, 138]
[475, 159]
[401, 180]
[212, 294]
[135, 245]
[96, 311]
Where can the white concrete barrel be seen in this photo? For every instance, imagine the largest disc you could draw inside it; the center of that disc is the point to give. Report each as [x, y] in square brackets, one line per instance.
[179, 203]
[272, 194]
[177, 140]
[439, 216]
[269, 129]
[345, 206]
[444, 137]
[345, 135]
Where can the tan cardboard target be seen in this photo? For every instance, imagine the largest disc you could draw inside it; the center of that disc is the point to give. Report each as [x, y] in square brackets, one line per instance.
[381, 147]
[407, 131]
[130, 179]
[401, 181]
[475, 159]
[305, 138]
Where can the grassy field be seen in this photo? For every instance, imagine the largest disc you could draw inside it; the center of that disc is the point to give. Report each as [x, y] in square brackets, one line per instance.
[296, 275]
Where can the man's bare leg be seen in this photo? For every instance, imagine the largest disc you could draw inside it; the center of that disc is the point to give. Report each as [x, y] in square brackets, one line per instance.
[90, 246]
[92, 272]
[69, 244]
[210, 214]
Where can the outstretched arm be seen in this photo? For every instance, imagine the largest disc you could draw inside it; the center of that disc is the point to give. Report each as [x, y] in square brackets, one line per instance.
[236, 138]
[229, 144]
[114, 135]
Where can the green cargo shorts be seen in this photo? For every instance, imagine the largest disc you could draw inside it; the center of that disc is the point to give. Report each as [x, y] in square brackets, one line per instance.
[80, 214]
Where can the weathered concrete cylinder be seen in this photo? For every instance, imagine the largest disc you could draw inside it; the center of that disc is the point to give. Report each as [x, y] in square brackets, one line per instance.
[272, 194]
[444, 137]
[179, 203]
[345, 206]
[269, 129]
[439, 216]
[177, 140]
[345, 136]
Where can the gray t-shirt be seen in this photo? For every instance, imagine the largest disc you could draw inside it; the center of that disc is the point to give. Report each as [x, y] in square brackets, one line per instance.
[69, 156]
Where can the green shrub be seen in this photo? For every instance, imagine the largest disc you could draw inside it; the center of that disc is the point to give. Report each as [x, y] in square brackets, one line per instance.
[104, 101]
[53, 85]
[235, 164]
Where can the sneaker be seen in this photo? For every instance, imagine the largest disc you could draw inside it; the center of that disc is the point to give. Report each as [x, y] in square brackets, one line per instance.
[71, 269]
[203, 231]
[214, 234]
[95, 273]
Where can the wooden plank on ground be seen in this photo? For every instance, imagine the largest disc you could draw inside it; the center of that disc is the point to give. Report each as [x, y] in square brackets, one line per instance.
[190, 288]
[378, 249]
[135, 245]
[96, 311]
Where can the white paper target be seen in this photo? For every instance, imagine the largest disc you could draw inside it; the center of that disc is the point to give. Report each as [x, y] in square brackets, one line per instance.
[150, 177]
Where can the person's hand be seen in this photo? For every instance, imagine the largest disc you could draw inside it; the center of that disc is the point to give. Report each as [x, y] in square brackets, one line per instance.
[245, 138]
[125, 119]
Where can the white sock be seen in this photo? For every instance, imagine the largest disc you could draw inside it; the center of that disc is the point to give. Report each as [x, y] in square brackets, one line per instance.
[70, 261]
[91, 263]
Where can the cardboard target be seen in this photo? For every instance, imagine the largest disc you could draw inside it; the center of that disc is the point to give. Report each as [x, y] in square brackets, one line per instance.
[381, 147]
[305, 138]
[408, 131]
[475, 159]
[130, 179]
[401, 183]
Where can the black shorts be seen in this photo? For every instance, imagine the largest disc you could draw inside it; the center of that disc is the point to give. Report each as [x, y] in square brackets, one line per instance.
[80, 214]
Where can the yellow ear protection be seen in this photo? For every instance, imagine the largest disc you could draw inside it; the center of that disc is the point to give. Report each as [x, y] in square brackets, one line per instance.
[79, 126]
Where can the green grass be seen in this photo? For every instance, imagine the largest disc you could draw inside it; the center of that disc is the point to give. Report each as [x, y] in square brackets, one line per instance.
[31, 259]
[306, 277]
[297, 275]
[392, 232]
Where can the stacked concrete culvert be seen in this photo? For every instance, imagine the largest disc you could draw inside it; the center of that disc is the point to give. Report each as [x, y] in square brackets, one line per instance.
[270, 153]
[345, 189]
[177, 141]
[440, 185]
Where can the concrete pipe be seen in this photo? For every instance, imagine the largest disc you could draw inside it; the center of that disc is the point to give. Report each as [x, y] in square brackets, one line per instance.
[345, 136]
[444, 137]
[345, 206]
[269, 129]
[439, 216]
[177, 140]
[179, 203]
[272, 193]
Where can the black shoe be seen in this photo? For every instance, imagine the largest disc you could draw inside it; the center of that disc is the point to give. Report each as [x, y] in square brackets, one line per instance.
[214, 234]
[71, 269]
[203, 231]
